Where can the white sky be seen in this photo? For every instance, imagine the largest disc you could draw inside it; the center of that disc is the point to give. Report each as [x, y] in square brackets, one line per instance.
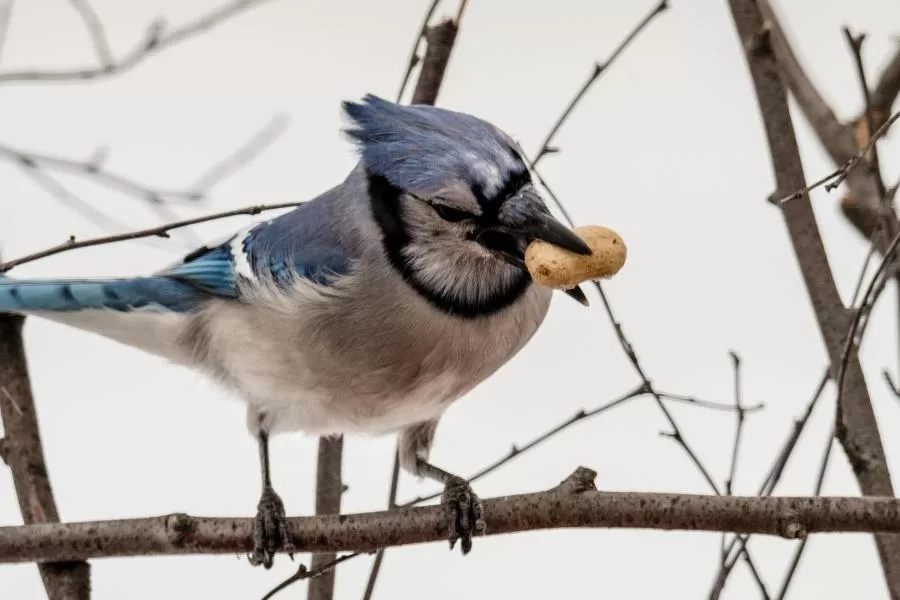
[667, 149]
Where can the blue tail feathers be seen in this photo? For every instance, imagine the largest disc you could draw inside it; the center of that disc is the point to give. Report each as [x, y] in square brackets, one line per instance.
[140, 293]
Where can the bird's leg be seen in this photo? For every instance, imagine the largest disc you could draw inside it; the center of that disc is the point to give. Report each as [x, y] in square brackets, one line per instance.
[463, 511]
[270, 529]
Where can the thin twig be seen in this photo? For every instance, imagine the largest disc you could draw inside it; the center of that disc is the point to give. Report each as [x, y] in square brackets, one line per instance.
[735, 548]
[160, 231]
[304, 573]
[740, 412]
[72, 201]
[516, 451]
[694, 401]
[379, 556]
[414, 57]
[95, 30]
[773, 477]
[868, 300]
[837, 177]
[798, 552]
[596, 71]
[245, 154]
[856, 44]
[94, 169]
[155, 39]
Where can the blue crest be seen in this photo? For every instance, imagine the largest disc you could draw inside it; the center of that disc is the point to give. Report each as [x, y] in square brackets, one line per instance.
[422, 148]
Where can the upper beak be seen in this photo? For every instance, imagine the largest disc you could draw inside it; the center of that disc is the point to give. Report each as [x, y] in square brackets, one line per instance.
[544, 227]
[531, 219]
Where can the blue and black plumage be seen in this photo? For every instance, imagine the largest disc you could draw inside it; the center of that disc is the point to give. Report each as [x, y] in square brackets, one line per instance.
[370, 308]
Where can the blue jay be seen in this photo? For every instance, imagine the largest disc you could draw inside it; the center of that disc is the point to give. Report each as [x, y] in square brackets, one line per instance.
[370, 308]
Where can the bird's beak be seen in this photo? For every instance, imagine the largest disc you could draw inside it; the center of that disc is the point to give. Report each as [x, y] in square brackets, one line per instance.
[526, 216]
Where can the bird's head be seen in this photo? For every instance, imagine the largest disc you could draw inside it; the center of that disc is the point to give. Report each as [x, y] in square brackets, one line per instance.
[455, 202]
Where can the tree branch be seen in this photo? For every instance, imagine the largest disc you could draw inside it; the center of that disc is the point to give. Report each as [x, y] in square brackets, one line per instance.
[574, 503]
[329, 489]
[888, 87]
[95, 29]
[155, 39]
[160, 231]
[834, 135]
[863, 438]
[23, 452]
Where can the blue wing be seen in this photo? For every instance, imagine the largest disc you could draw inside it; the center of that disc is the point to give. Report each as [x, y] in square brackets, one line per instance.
[307, 243]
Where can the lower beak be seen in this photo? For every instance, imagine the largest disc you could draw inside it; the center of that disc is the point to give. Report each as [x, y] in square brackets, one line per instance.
[578, 294]
[548, 229]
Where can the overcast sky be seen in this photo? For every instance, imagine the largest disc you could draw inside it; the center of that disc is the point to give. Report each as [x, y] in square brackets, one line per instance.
[668, 150]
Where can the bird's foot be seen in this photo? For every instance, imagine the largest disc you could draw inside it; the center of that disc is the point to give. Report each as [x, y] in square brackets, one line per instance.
[271, 531]
[463, 513]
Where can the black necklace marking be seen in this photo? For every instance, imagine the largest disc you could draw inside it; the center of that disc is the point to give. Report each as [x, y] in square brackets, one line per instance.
[385, 201]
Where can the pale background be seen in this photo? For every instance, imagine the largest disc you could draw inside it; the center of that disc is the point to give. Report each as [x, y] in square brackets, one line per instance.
[667, 149]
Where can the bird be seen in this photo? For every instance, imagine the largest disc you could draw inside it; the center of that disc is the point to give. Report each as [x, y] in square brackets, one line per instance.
[369, 309]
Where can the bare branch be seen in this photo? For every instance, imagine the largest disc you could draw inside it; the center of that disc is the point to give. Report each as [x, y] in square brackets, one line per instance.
[515, 451]
[161, 231]
[888, 87]
[596, 71]
[245, 154]
[313, 574]
[23, 452]
[414, 57]
[573, 503]
[837, 177]
[95, 30]
[93, 168]
[862, 435]
[834, 135]
[693, 401]
[329, 489]
[741, 412]
[155, 40]
[856, 44]
[798, 553]
[737, 547]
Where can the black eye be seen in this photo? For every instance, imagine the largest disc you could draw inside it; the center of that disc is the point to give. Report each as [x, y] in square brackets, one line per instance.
[451, 214]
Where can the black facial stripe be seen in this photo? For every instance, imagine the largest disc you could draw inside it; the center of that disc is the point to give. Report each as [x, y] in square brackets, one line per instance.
[385, 202]
[490, 206]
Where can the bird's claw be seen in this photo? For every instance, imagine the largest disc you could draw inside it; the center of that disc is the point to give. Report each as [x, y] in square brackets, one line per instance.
[271, 531]
[463, 513]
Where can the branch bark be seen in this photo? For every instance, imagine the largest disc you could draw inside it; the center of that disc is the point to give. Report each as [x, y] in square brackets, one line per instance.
[22, 451]
[329, 489]
[440, 39]
[574, 503]
[858, 433]
[862, 206]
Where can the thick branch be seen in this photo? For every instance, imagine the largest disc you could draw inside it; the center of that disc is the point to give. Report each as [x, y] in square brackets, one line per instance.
[440, 40]
[575, 503]
[22, 451]
[329, 489]
[862, 441]
[834, 135]
[887, 88]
